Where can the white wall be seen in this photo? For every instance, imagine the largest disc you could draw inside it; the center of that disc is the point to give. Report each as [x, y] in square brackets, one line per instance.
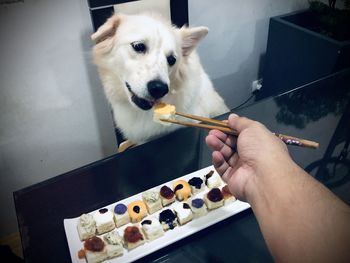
[53, 114]
[233, 51]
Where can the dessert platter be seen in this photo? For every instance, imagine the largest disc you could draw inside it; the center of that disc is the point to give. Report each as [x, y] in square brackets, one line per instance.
[143, 223]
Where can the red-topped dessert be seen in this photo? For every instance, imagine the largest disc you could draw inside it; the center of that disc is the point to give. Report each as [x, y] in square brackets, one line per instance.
[133, 237]
[214, 198]
[167, 195]
[95, 250]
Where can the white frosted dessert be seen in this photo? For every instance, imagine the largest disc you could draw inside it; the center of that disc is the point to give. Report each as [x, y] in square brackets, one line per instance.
[152, 201]
[214, 199]
[163, 111]
[95, 250]
[198, 207]
[121, 215]
[114, 245]
[183, 213]
[212, 179]
[86, 226]
[152, 228]
[104, 221]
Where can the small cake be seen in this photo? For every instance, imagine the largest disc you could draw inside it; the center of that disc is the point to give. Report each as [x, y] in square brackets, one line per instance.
[114, 244]
[214, 199]
[104, 221]
[152, 228]
[152, 200]
[212, 179]
[228, 197]
[182, 190]
[163, 111]
[133, 237]
[166, 195]
[137, 211]
[95, 250]
[197, 185]
[86, 226]
[121, 216]
[168, 219]
[198, 207]
[183, 213]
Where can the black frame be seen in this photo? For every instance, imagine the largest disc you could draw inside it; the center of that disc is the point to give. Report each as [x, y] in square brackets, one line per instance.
[100, 10]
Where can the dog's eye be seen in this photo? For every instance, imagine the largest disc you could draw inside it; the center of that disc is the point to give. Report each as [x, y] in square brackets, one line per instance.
[171, 60]
[139, 47]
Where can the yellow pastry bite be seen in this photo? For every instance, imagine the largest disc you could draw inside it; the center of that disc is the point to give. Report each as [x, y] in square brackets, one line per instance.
[163, 111]
[182, 190]
[137, 211]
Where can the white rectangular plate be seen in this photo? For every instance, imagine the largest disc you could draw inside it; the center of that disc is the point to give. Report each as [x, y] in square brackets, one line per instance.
[170, 236]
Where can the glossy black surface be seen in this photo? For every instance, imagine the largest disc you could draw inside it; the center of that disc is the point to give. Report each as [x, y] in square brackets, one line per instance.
[319, 111]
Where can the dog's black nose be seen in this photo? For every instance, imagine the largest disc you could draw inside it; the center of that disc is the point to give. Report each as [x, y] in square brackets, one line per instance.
[157, 88]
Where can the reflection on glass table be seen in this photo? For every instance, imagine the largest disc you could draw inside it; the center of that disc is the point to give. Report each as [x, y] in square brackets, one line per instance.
[319, 111]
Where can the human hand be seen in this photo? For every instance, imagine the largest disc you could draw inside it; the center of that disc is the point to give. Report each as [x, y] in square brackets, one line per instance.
[247, 160]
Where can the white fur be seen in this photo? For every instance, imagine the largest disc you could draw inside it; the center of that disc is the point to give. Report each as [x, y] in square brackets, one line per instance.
[190, 89]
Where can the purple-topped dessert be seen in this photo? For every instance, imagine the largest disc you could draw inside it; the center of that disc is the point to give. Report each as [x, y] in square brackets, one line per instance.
[197, 203]
[198, 207]
[121, 216]
[120, 209]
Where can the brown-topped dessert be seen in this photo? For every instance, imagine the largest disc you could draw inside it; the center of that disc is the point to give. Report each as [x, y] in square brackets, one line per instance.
[228, 197]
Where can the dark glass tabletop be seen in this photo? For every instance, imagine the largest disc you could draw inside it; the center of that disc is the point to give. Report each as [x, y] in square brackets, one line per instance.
[319, 111]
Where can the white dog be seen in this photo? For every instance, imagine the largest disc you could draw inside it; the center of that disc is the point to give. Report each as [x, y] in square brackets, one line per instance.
[142, 60]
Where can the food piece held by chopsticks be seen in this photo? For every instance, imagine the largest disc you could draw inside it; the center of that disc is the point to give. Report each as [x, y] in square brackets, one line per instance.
[163, 111]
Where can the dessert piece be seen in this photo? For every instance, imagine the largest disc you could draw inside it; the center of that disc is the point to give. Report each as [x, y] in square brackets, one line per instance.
[212, 179]
[182, 190]
[152, 228]
[168, 219]
[121, 216]
[228, 197]
[152, 200]
[114, 244]
[196, 184]
[95, 250]
[163, 111]
[214, 199]
[166, 195]
[133, 237]
[86, 226]
[183, 213]
[137, 211]
[198, 207]
[104, 221]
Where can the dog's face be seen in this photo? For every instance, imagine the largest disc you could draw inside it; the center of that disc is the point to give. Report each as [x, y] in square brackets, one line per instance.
[143, 55]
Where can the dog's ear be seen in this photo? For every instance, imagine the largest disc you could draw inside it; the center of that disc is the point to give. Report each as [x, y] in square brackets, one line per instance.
[107, 30]
[190, 38]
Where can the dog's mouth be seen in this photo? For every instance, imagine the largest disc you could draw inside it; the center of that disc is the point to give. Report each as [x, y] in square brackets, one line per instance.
[142, 103]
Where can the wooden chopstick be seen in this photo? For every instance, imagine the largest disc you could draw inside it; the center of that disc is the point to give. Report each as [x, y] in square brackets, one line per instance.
[223, 126]
[204, 119]
[202, 125]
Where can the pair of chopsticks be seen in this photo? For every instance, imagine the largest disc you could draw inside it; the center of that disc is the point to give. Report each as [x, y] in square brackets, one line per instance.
[223, 126]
